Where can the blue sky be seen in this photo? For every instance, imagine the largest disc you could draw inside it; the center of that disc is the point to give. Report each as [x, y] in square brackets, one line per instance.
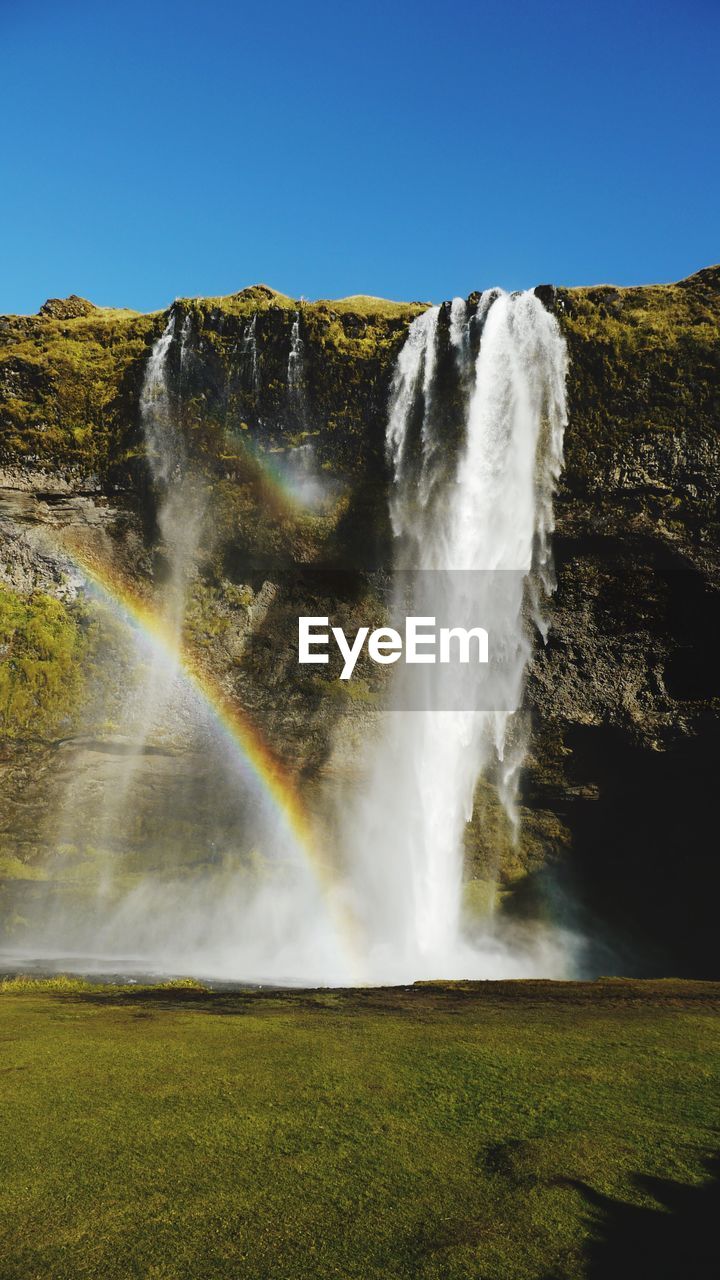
[410, 149]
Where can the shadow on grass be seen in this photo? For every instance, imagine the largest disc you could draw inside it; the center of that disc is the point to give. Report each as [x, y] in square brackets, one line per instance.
[676, 1239]
[418, 1000]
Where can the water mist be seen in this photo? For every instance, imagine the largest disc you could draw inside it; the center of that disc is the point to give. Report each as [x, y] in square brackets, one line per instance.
[243, 901]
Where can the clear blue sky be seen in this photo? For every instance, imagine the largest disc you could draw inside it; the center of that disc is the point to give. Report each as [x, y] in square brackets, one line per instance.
[407, 148]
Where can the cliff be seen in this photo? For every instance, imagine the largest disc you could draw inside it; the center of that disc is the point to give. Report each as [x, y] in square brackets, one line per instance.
[617, 796]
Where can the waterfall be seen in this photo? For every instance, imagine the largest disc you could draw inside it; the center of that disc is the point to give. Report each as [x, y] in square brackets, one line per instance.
[164, 445]
[184, 340]
[473, 533]
[150, 710]
[180, 500]
[242, 897]
[179, 509]
[460, 330]
[249, 353]
[295, 360]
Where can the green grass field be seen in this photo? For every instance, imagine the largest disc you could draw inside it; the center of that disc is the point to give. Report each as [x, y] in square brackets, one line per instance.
[495, 1131]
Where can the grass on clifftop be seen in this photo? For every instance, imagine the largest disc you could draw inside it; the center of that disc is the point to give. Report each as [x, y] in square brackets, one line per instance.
[59, 381]
[507, 1131]
[364, 304]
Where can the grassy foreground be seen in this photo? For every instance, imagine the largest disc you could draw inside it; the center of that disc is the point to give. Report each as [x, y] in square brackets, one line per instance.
[497, 1131]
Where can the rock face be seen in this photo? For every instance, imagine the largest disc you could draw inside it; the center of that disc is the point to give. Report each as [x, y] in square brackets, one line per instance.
[278, 399]
[66, 308]
[625, 696]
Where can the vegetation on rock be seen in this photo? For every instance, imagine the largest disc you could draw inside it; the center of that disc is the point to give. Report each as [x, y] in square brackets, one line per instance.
[43, 647]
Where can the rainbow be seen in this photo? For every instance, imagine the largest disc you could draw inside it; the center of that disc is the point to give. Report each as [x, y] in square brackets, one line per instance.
[235, 725]
[274, 489]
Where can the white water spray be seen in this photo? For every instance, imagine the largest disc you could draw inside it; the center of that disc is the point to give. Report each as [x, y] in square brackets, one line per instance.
[249, 352]
[159, 700]
[251, 906]
[164, 445]
[180, 500]
[295, 360]
[184, 346]
[460, 329]
[491, 511]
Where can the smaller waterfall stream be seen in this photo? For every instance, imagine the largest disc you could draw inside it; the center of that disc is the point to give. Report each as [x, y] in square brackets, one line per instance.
[179, 497]
[251, 905]
[249, 353]
[295, 362]
[164, 444]
[179, 519]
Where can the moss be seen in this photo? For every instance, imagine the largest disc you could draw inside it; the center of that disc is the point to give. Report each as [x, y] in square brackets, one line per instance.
[206, 617]
[257, 297]
[345, 691]
[260, 298]
[70, 377]
[13, 868]
[62, 665]
[641, 360]
[256, 526]
[60, 385]
[68, 984]
[363, 304]
[41, 649]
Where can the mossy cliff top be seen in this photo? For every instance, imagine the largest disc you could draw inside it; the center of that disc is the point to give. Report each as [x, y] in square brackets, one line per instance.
[62, 375]
[70, 376]
[652, 350]
[644, 407]
[260, 297]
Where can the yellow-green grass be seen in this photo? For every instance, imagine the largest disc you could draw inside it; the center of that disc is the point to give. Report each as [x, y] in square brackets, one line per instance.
[503, 1131]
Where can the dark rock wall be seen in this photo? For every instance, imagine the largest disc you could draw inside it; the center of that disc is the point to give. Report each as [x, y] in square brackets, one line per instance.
[625, 696]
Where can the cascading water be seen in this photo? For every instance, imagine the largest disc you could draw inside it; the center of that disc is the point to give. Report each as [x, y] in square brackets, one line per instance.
[184, 346]
[179, 499]
[179, 519]
[475, 538]
[460, 332]
[250, 905]
[164, 445]
[249, 353]
[295, 360]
